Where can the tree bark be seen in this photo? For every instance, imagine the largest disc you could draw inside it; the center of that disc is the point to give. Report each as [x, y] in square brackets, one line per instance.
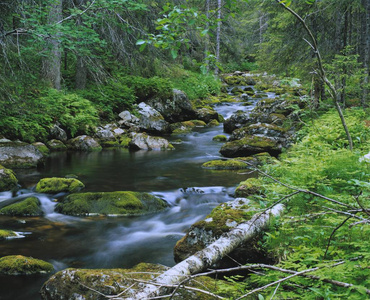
[365, 36]
[52, 64]
[81, 67]
[205, 258]
[218, 34]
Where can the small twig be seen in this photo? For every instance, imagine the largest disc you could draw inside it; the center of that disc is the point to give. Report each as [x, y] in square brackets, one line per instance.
[277, 282]
[366, 211]
[345, 213]
[332, 234]
[273, 295]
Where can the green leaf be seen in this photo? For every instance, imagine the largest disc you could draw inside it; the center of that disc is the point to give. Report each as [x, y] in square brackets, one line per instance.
[174, 53]
[140, 42]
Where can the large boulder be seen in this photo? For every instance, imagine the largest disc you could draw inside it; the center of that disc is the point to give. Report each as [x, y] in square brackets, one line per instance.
[72, 283]
[22, 265]
[29, 207]
[58, 133]
[142, 141]
[19, 155]
[174, 110]
[237, 120]
[151, 120]
[122, 203]
[8, 180]
[221, 220]
[251, 144]
[56, 185]
[206, 114]
[84, 143]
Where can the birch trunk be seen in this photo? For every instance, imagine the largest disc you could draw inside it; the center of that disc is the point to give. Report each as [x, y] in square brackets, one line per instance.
[205, 258]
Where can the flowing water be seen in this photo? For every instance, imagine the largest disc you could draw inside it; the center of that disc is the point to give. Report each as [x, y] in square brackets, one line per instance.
[121, 242]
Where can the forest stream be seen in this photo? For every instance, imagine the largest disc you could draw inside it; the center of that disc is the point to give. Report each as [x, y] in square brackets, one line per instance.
[120, 242]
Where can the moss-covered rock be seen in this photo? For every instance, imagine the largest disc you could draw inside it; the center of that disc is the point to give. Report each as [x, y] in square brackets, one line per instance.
[42, 148]
[221, 220]
[220, 138]
[56, 185]
[5, 234]
[56, 145]
[72, 283]
[142, 141]
[123, 203]
[22, 265]
[250, 145]
[84, 143]
[8, 180]
[249, 187]
[213, 123]
[19, 155]
[230, 164]
[29, 207]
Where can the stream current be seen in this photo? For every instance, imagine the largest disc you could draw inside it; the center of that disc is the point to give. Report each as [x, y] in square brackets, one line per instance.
[119, 242]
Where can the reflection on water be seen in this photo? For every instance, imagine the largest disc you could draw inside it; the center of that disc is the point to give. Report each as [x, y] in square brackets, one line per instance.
[176, 176]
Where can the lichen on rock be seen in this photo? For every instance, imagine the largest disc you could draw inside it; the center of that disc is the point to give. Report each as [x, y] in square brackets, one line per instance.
[22, 265]
[56, 185]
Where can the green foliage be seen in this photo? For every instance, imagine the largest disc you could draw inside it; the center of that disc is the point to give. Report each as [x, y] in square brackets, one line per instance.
[313, 235]
[195, 85]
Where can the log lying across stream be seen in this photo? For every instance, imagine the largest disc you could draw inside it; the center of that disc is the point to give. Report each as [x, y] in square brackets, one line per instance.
[205, 258]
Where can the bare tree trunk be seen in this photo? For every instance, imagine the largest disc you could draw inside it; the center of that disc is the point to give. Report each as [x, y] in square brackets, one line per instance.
[218, 34]
[52, 64]
[207, 36]
[205, 258]
[365, 36]
[322, 72]
[81, 68]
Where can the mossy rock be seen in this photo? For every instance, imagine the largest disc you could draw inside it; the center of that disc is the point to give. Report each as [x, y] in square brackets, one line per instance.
[42, 148]
[213, 123]
[8, 180]
[250, 145]
[123, 203]
[56, 145]
[249, 187]
[5, 234]
[29, 207]
[22, 265]
[72, 283]
[220, 138]
[230, 164]
[221, 220]
[56, 185]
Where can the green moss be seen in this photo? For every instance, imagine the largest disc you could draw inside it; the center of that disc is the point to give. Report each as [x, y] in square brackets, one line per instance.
[56, 185]
[220, 138]
[249, 187]
[213, 123]
[42, 148]
[28, 207]
[124, 141]
[107, 203]
[230, 164]
[6, 234]
[8, 180]
[21, 265]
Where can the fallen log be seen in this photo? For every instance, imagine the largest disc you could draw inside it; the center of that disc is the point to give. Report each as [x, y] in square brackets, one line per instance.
[205, 258]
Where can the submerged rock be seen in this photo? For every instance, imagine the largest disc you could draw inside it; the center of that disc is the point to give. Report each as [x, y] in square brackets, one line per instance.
[22, 265]
[221, 220]
[142, 141]
[19, 155]
[84, 143]
[56, 185]
[29, 207]
[123, 203]
[72, 283]
[5, 234]
[8, 180]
